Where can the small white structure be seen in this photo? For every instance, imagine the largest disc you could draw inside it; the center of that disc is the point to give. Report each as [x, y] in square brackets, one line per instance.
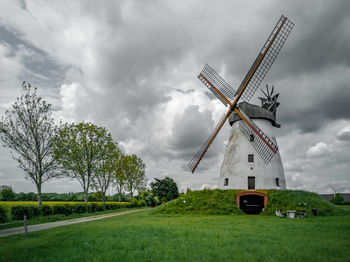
[243, 168]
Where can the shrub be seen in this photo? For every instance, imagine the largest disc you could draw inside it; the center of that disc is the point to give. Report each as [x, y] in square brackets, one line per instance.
[18, 212]
[64, 209]
[337, 199]
[46, 210]
[3, 215]
[81, 208]
[142, 203]
[92, 207]
[347, 202]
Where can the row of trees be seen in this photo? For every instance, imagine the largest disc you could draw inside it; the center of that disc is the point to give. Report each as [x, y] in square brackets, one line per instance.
[82, 151]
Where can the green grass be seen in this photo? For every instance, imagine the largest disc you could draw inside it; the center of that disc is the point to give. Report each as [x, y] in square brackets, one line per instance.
[222, 202]
[163, 237]
[60, 217]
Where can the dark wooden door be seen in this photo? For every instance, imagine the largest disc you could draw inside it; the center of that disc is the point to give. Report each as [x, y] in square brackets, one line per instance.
[251, 182]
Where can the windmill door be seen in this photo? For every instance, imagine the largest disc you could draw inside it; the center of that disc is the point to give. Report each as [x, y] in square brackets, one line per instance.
[251, 182]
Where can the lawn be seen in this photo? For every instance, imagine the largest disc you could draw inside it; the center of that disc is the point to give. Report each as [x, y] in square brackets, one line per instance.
[173, 237]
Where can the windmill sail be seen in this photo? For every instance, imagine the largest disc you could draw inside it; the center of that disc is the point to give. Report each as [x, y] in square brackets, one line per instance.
[217, 85]
[262, 144]
[265, 59]
[200, 153]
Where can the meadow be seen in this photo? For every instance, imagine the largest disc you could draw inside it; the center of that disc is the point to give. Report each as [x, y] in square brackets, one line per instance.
[147, 236]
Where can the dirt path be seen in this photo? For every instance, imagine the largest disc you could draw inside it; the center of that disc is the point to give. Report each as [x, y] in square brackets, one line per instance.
[33, 228]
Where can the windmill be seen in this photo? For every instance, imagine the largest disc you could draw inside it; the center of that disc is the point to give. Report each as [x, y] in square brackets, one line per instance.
[262, 143]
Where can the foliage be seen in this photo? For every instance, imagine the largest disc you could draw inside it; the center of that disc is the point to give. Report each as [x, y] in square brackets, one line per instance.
[347, 202]
[300, 200]
[337, 199]
[224, 202]
[78, 149]
[46, 210]
[134, 169]
[203, 202]
[104, 168]
[7, 194]
[63, 209]
[18, 212]
[144, 237]
[81, 208]
[165, 188]
[28, 130]
[3, 215]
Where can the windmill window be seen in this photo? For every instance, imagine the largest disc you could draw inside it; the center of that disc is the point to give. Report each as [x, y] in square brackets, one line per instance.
[251, 158]
[226, 182]
[251, 138]
[277, 181]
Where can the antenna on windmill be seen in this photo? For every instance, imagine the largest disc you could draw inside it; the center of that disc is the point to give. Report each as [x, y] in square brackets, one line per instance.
[265, 147]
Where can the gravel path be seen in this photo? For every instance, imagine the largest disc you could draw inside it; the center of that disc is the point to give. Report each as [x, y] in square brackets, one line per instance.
[33, 228]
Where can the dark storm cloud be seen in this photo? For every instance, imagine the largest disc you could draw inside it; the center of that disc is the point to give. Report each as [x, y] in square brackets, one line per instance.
[132, 65]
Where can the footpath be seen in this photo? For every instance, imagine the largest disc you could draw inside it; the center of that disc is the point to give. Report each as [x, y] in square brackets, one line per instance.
[33, 228]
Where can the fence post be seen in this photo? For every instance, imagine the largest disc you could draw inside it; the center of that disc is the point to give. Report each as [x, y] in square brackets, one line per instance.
[25, 226]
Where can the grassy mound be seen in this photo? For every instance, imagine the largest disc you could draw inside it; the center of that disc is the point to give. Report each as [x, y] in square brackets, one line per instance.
[223, 202]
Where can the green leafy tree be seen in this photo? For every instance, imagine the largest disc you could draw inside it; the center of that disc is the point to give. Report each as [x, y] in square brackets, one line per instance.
[7, 194]
[337, 199]
[29, 130]
[78, 149]
[165, 188]
[134, 170]
[104, 169]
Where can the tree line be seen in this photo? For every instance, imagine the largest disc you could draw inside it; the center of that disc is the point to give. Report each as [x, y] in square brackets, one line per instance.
[81, 151]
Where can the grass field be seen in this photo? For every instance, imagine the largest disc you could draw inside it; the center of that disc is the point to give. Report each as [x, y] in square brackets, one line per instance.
[172, 237]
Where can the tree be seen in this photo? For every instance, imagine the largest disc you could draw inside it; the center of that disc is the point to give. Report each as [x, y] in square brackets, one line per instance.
[337, 199]
[134, 170]
[7, 194]
[165, 188]
[78, 149]
[29, 130]
[104, 169]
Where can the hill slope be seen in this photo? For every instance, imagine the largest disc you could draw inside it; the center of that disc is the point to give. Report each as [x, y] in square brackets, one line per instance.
[224, 202]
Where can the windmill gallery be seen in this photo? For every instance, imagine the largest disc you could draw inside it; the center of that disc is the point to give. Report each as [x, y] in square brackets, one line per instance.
[240, 168]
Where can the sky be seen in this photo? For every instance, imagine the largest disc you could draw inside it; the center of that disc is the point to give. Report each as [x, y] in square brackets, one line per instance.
[132, 66]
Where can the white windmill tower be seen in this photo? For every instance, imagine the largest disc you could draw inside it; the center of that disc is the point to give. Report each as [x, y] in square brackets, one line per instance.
[264, 143]
[241, 169]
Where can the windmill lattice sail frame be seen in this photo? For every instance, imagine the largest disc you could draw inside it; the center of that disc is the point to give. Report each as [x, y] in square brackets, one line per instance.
[225, 93]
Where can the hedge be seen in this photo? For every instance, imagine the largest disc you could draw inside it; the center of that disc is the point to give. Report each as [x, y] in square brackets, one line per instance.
[30, 210]
[3, 215]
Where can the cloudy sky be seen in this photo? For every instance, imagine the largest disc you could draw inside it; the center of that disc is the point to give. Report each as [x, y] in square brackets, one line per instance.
[131, 66]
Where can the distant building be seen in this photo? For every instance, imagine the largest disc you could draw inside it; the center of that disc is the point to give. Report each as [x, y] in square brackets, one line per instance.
[2, 187]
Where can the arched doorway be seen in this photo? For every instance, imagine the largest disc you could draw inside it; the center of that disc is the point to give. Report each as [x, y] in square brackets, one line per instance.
[251, 202]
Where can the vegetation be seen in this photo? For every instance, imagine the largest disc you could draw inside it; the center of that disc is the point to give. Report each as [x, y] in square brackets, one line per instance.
[28, 130]
[134, 169]
[145, 237]
[224, 202]
[166, 188]
[337, 199]
[11, 211]
[7, 194]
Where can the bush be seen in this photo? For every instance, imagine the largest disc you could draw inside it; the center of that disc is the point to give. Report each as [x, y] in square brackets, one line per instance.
[337, 199]
[18, 212]
[142, 203]
[64, 209]
[46, 210]
[347, 202]
[93, 207]
[3, 215]
[81, 208]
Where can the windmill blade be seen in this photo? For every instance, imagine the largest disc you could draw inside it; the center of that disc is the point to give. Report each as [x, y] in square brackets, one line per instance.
[264, 61]
[262, 144]
[200, 153]
[217, 85]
